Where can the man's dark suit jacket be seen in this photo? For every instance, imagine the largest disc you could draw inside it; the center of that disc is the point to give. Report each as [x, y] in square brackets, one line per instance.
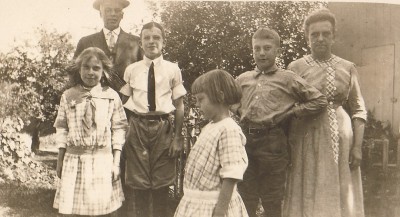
[126, 51]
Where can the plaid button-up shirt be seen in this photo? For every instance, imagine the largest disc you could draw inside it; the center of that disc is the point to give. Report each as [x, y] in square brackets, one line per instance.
[267, 94]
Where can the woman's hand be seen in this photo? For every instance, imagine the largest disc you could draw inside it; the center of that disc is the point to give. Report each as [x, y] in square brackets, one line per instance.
[356, 150]
[355, 158]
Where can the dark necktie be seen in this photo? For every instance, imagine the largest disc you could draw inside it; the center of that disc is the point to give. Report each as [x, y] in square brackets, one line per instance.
[151, 89]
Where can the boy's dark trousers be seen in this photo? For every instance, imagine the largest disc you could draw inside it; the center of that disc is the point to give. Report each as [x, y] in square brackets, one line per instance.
[159, 198]
[265, 176]
[149, 169]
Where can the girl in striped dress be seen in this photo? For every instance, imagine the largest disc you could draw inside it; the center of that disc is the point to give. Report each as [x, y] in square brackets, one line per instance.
[218, 159]
[91, 126]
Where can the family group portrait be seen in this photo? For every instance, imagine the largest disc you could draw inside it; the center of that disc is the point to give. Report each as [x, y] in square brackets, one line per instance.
[142, 108]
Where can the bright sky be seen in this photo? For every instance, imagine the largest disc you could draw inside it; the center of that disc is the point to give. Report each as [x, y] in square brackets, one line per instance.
[19, 18]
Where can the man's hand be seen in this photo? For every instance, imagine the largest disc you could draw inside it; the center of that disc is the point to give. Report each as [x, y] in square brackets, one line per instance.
[176, 146]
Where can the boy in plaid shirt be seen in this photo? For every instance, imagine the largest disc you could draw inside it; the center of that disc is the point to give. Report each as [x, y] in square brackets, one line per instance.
[270, 97]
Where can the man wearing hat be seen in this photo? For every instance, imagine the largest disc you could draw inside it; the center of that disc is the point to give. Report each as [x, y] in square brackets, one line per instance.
[122, 48]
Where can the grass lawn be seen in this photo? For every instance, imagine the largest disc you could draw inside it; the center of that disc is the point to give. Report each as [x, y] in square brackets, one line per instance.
[21, 200]
[26, 201]
[380, 191]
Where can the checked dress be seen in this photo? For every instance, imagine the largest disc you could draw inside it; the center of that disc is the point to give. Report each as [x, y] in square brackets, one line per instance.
[90, 124]
[218, 153]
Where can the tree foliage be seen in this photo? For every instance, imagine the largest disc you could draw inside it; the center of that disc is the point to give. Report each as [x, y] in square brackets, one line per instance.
[34, 76]
[204, 35]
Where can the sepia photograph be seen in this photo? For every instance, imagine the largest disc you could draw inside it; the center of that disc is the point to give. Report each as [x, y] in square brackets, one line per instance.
[171, 108]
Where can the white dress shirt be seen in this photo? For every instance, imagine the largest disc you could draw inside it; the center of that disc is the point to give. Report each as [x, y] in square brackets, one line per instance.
[107, 34]
[169, 85]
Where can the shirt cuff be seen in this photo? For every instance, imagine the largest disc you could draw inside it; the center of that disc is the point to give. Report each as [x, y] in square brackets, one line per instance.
[361, 116]
[129, 104]
[233, 171]
[118, 139]
[296, 111]
[126, 90]
[178, 91]
[61, 137]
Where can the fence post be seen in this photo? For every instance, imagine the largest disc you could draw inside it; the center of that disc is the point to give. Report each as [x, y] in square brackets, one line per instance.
[385, 155]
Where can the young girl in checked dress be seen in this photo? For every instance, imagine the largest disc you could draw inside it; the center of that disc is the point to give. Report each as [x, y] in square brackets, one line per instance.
[91, 126]
[218, 159]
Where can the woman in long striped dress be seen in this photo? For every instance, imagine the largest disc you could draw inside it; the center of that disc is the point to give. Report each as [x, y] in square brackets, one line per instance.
[325, 178]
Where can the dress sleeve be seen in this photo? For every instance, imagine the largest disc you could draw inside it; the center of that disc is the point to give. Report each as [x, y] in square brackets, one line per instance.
[61, 124]
[310, 100]
[119, 125]
[232, 154]
[355, 100]
[178, 89]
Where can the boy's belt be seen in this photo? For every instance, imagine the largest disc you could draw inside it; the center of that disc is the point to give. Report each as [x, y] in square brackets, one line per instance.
[258, 129]
[150, 117]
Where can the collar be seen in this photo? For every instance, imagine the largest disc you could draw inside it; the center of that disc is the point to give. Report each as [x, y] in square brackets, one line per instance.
[115, 31]
[93, 90]
[269, 71]
[157, 61]
[79, 93]
[329, 62]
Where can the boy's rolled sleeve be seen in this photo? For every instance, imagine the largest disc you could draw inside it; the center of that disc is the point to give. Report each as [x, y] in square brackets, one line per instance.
[127, 89]
[178, 90]
[310, 100]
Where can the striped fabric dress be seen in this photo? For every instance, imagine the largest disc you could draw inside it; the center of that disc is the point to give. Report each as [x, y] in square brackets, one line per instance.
[320, 182]
[90, 124]
[218, 153]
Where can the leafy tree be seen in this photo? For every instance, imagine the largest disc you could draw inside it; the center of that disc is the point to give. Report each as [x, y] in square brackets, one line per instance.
[34, 77]
[206, 35]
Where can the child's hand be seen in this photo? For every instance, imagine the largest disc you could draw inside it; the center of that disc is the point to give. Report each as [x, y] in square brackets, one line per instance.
[116, 171]
[218, 212]
[60, 161]
[283, 117]
[59, 168]
[176, 147]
